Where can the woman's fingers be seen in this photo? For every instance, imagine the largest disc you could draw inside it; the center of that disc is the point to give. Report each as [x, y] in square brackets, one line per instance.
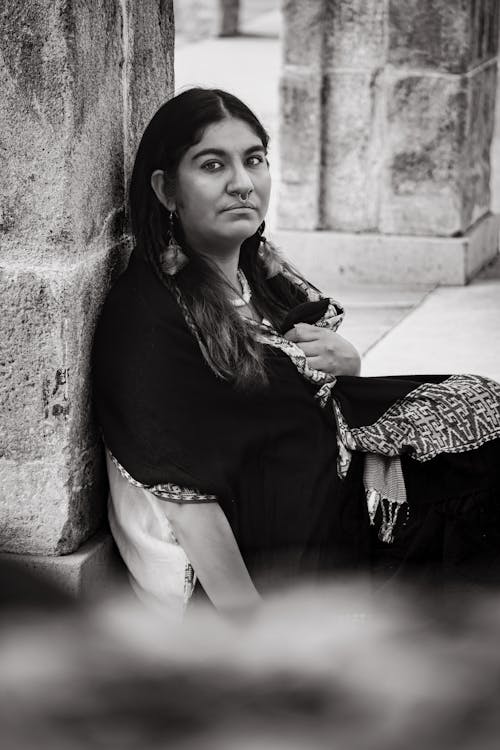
[325, 350]
[319, 363]
[311, 348]
[302, 332]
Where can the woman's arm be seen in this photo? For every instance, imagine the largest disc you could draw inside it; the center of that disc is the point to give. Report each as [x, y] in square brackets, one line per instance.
[325, 350]
[205, 535]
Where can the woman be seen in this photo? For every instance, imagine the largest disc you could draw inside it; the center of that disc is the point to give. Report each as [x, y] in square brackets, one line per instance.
[241, 442]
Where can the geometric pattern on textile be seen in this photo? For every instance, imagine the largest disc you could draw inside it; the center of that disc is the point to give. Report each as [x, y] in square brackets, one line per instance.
[459, 414]
[167, 491]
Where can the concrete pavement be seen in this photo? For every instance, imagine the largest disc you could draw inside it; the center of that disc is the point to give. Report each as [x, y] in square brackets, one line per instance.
[410, 328]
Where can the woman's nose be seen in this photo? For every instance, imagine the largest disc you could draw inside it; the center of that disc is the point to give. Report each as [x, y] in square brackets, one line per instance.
[240, 181]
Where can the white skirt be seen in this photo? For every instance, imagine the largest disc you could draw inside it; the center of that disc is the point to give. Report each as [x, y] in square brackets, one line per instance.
[158, 568]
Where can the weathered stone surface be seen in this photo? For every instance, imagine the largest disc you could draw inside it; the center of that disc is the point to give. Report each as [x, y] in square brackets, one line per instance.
[446, 35]
[45, 339]
[485, 22]
[438, 138]
[304, 25]
[353, 150]
[51, 507]
[51, 472]
[425, 142]
[148, 75]
[355, 34]
[80, 80]
[229, 17]
[300, 151]
[495, 155]
[406, 92]
[301, 115]
[195, 20]
[481, 89]
[430, 34]
[61, 122]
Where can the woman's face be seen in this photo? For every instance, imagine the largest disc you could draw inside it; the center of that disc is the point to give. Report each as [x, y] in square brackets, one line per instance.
[228, 161]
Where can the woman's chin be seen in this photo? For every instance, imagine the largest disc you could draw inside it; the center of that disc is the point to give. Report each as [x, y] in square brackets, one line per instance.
[241, 231]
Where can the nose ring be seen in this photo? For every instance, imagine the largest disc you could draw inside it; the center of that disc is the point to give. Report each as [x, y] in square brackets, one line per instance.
[244, 199]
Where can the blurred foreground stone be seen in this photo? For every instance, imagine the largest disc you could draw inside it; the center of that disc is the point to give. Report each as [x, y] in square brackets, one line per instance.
[316, 668]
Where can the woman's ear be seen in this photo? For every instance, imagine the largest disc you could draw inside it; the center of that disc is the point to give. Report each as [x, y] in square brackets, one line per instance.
[159, 184]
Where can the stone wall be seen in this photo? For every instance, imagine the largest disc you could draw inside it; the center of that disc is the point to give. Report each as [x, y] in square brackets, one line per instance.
[80, 79]
[388, 114]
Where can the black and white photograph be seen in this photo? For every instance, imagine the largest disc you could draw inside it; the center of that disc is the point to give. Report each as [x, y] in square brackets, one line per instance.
[249, 374]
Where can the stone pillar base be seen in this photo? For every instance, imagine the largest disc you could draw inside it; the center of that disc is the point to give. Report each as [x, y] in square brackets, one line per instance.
[93, 571]
[329, 258]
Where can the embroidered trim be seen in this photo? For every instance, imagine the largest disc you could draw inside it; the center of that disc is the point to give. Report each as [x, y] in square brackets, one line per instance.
[190, 579]
[344, 442]
[166, 491]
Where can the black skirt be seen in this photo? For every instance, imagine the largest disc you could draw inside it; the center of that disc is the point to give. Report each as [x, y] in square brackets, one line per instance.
[296, 516]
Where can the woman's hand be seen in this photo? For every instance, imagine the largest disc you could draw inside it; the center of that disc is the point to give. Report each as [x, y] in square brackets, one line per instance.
[325, 350]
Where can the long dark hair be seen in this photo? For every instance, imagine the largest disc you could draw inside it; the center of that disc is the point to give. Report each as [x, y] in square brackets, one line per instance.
[227, 340]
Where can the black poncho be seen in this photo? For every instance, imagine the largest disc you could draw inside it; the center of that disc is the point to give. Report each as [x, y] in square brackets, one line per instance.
[315, 473]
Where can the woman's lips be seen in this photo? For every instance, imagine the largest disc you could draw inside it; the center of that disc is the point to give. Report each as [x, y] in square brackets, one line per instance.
[240, 207]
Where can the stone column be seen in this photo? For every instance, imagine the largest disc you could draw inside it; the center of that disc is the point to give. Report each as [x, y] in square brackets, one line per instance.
[301, 131]
[403, 110]
[229, 17]
[79, 82]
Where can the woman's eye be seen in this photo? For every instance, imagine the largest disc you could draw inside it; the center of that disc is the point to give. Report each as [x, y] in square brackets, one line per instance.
[212, 166]
[254, 161]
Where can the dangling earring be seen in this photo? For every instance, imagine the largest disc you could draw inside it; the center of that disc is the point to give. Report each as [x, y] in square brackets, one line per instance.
[173, 259]
[269, 255]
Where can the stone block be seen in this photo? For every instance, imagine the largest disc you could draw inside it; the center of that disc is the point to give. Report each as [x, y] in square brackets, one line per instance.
[355, 34]
[148, 74]
[51, 473]
[61, 122]
[437, 152]
[51, 507]
[426, 138]
[484, 30]
[195, 21]
[229, 17]
[482, 245]
[79, 81]
[481, 88]
[94, 571]
[303, 33]
[353, 150]
[300, 150]
[330, 259]
[451, 36]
